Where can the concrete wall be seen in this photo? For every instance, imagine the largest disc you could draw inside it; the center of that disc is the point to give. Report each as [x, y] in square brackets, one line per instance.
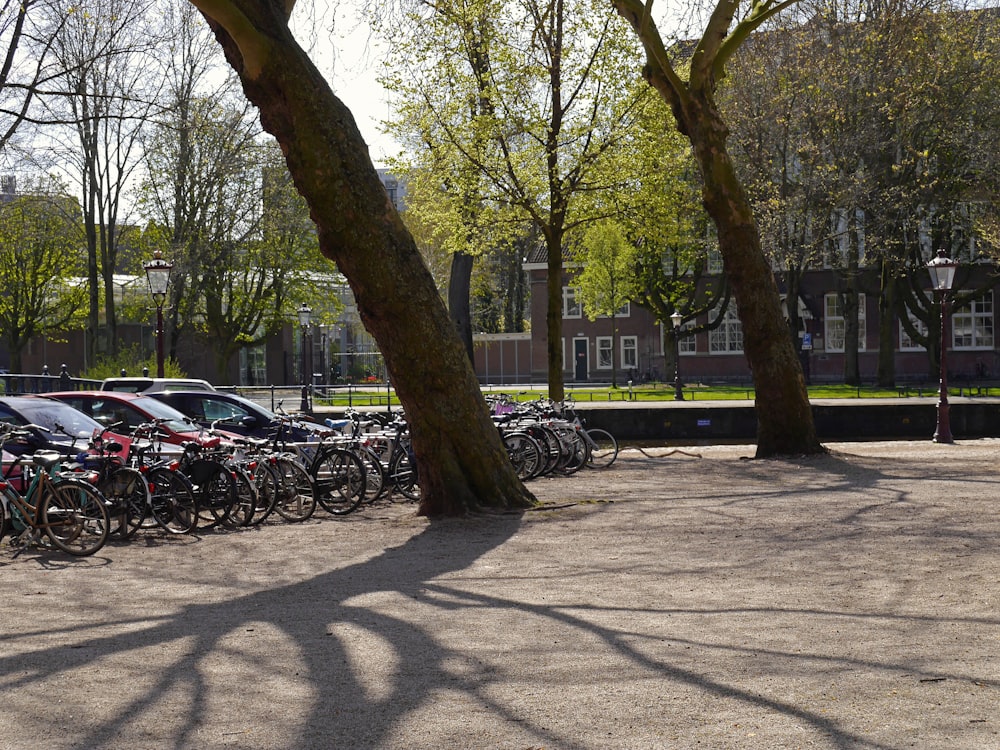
[910, 418]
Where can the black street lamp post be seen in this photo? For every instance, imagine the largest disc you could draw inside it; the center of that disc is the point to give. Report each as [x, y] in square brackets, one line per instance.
[305, 314]
[676, 318]
[942, 271]
[158, 276]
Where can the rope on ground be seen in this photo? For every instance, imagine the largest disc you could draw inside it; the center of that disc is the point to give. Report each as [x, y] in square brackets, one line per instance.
[669, 453]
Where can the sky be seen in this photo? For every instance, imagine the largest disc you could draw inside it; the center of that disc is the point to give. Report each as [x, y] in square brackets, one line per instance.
[343, 49]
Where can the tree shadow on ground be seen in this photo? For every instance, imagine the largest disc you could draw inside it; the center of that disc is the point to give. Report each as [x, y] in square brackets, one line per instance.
[321, 614]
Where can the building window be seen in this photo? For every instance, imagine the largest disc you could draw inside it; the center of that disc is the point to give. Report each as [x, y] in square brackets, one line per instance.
[603, 352]
[630, 351]
[835, 326]
[972, 325]
[623, 312]
[687, 343]
[728, 337]
[906, 343]
[571, 305]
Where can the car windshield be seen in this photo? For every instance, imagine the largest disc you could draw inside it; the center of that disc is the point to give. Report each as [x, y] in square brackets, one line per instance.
[176, 422]
[49, 413]
[253, 406]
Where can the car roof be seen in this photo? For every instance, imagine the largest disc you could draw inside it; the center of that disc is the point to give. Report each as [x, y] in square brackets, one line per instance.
[21, 404]
[123, 395]
[147, 385]
[222, 395]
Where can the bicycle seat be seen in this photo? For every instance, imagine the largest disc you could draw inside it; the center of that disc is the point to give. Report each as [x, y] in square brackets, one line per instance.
[47, 459]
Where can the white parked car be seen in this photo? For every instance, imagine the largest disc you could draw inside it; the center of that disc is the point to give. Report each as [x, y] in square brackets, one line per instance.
[155, 385]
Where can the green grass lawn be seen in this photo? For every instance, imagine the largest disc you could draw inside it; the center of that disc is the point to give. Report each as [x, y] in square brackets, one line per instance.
[376, 396]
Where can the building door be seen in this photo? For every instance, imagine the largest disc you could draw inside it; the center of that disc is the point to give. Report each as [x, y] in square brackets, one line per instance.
[580, 359]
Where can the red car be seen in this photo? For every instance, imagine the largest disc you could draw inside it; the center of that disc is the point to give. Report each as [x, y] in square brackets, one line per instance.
[110, 407]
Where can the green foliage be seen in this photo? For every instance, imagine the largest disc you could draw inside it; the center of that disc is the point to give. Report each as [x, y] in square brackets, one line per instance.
[40, 263]
[132, 360]
[607, 279]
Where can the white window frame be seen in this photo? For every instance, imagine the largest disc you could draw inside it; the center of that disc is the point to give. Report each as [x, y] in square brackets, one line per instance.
[572, 307]
[624, 311]
[727, 338]
[687, 344]
[835, 327]
[907, 344]
[629, 352]
[972, 326]
[604, 348]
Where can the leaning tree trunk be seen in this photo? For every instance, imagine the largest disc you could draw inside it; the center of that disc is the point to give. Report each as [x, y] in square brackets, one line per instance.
[460, 459]
[784, 416]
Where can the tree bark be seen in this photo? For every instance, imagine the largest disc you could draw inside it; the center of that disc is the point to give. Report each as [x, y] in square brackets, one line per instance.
[459, 306]
[554, 313]
[886, 325]
[460, 459]
[784, 416]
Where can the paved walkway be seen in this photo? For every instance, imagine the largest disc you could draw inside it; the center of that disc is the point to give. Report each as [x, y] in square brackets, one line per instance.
[685, 600]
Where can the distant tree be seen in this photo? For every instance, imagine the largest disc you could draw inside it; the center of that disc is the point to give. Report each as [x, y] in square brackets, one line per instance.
[107, 94]
[784, 416]
[40, 239]
[674, 243]
[606, 280]
[523, 99]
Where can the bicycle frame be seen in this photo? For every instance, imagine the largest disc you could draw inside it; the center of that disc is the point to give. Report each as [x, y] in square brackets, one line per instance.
[28, 504]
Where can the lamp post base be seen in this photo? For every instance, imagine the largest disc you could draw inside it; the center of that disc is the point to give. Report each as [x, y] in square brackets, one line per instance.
[943, 432]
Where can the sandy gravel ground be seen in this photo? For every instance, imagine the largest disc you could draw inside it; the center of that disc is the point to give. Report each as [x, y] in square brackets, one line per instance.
[673, 601]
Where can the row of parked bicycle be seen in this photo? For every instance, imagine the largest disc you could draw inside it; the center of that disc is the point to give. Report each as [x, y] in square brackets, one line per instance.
[118, 484]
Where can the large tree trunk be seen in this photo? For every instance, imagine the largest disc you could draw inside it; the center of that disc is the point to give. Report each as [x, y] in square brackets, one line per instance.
[784, 415]
[459, 291]
[461, 461]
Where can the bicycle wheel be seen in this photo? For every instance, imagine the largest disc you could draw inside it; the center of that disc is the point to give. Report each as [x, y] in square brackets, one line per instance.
[265, 480]
[339, 479]
[375, 481]
[128, 495]
[574, 452]
[547, 439]
[172, 502]
[402, 476]
[524, 452]
[241, 512]
[603, 448]
[75, 516]
[296, 496]
[5, 502]
[214, 490]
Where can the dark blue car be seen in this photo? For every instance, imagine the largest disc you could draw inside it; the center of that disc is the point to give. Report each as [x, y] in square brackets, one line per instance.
[238, 414]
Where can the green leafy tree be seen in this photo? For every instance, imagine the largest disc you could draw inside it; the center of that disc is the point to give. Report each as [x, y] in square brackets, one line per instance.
[40, 241]
[607, 279]
[519, 105]
[674, 244]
